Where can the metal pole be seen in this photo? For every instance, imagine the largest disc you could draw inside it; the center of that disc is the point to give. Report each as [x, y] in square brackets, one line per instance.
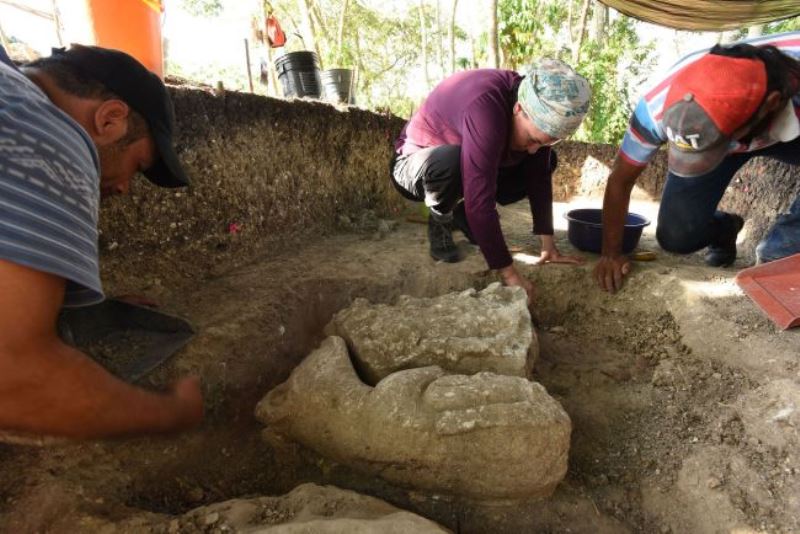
[247, 57]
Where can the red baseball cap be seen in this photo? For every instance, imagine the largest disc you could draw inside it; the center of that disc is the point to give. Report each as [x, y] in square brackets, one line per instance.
[707, 102]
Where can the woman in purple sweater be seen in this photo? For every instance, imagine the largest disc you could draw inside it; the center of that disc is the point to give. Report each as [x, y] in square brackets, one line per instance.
[484, 137]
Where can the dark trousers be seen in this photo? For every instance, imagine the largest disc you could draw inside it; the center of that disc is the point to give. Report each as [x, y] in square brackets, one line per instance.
[433, 175]
[688, 219]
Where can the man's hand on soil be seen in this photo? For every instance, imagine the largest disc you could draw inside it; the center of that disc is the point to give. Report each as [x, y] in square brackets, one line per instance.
[610, 271]
[512, 278]
[188, 402]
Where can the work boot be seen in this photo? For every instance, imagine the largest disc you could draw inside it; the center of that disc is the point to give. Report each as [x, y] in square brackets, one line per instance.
[441, 239]
[722, 252]
[460, 222]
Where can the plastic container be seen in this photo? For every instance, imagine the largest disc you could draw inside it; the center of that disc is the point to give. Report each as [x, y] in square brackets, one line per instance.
[133, 26]
[585, 230]
[298, 73]
[337, 84]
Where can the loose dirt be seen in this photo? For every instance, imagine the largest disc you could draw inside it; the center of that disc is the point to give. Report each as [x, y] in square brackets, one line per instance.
[653, 378]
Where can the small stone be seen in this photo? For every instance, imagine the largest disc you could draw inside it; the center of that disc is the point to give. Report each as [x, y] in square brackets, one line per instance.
[113, 245]
[713, 482]
[174, 527]
[211, 518]
[196, 494]
[386, 226]
[558, 330]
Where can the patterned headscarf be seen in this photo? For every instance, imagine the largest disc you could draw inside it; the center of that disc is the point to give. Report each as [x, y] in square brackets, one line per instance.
[555, 97]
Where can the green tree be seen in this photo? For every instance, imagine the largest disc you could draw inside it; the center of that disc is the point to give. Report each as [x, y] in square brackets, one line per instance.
[785, 25]
[205, 8]
[612, 59]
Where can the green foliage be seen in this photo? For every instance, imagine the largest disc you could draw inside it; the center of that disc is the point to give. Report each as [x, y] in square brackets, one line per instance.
[384, 50]
[615, 68]
[532, 29]
[382, 47]
[202, 8]
[785, 25]
[526, 30]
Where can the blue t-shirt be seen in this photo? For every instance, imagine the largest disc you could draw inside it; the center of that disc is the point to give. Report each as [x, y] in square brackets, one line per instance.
[49, 188]
[646, 132]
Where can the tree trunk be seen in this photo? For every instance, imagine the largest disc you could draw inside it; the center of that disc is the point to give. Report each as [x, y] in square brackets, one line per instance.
[451, 37]
[576, 49]
[756, 31]
[319, 22]
[570, 32]
[309, 39]
[340, 35]
[361, 72]
[597, 29]
[440, 60]
[423, 31]
[494, 56]
[727, 37]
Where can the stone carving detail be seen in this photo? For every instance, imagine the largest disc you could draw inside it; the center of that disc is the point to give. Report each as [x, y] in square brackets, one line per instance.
[463, 333]
[485, 437]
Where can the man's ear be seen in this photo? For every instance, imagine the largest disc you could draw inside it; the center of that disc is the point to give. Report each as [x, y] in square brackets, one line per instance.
[773, 101]
[517, 108]
[111, 121]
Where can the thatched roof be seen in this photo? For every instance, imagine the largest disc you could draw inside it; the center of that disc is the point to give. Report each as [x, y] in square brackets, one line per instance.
[709, 15]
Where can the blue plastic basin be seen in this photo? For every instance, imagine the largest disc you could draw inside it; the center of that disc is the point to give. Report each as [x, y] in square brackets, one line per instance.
[585, 230]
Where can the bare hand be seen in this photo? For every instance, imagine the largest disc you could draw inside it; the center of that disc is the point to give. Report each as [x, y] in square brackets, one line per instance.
[512, 278]
[554, 256]
[188, 403]
[610, 270]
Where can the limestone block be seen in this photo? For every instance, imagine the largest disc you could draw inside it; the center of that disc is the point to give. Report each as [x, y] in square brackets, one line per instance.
[485, 437]
[464, 333]
[307, 508]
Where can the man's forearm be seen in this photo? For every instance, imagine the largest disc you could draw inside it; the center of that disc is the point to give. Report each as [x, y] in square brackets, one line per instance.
[53, 389]
[615, 205]
[615, 208]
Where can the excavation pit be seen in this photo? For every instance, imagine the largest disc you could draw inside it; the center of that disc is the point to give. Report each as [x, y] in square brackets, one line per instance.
[682, 395]
[656, 380]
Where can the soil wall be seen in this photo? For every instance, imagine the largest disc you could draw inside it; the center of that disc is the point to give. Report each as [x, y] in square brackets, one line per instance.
[267, 172]
[763, 189]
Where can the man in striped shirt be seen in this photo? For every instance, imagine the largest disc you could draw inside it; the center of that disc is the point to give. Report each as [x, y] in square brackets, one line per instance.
[716, 110]
[73, 127]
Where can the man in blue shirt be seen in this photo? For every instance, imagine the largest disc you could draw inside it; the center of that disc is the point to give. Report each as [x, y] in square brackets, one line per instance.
[74, 126]
[715, 109]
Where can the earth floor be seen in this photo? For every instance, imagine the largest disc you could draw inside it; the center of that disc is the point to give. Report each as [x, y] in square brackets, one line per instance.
[663, 381]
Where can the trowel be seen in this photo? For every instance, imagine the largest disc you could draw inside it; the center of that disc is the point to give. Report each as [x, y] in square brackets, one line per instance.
[127, 339]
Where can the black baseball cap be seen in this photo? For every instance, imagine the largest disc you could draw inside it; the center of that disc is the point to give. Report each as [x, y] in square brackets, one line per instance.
[143, 91]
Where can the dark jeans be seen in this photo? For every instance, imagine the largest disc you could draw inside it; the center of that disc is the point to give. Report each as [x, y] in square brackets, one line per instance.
[433, 175]
[688, 219]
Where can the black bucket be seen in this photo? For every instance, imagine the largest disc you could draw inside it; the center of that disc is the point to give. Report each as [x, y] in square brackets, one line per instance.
[337, 85]
[299, 74]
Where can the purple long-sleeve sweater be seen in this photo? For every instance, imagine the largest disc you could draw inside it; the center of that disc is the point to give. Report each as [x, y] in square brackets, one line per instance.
[473, 109]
